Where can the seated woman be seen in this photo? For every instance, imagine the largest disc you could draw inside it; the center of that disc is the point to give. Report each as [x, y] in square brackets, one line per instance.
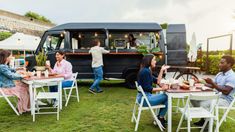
[146, 79]
[62, 67]
[11, 87]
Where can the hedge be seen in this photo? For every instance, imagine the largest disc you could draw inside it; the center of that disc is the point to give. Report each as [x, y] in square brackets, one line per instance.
[213, 62]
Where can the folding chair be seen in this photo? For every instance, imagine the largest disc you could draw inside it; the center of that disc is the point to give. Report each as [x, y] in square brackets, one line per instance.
[2, 95]
[44, 95]
[140, 107]
[226, 111]
[74, 86]
[190, 113]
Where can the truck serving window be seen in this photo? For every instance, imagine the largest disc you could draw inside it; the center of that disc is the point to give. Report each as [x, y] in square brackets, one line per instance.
[143, 38]
[86, 40]
[52, 42]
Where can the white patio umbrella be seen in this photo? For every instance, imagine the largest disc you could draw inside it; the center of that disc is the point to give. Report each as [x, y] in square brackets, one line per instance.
[192, 55]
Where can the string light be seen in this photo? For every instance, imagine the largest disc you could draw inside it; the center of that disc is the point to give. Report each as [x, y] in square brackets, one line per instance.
[96, 34]
[79, 36]
[126, 36]
[141, 34]
[110, 35]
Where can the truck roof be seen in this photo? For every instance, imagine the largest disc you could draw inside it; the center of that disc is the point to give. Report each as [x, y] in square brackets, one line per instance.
[109, 26]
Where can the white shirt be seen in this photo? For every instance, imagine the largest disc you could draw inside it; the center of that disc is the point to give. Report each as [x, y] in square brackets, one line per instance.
[97, 58]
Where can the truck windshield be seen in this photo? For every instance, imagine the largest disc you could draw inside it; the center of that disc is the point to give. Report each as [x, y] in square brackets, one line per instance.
[53, 42]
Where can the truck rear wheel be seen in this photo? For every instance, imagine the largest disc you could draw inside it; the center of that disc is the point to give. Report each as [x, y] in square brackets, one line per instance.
[130, 80]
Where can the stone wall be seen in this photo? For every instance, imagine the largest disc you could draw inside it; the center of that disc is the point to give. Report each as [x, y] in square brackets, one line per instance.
[17, 23]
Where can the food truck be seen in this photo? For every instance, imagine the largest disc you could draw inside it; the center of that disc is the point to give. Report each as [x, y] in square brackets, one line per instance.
[123, 61]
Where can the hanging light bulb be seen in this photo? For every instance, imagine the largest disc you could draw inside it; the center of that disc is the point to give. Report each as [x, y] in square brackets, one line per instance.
[110, 35]
[126, 36]
[141, 34]
[61, 35]
[96, 34]
[79, 36]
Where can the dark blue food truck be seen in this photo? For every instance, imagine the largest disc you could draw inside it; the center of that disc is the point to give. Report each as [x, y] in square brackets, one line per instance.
[123, 61]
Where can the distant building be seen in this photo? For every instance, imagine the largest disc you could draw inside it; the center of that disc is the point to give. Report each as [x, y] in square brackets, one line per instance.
[17, 23]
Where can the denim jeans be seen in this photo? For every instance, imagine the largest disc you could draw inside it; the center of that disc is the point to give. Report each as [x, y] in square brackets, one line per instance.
[155, 99]
[64, 84]
[98, 76]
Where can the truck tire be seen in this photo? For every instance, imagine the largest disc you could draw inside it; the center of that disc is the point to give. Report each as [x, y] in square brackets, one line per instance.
[130, 80]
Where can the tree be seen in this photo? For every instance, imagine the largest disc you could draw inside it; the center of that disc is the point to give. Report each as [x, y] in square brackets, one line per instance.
[37, 16]
[4, 35]
[164, 25]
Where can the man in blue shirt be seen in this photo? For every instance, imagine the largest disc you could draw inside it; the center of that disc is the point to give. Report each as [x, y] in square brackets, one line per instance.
[224, 82]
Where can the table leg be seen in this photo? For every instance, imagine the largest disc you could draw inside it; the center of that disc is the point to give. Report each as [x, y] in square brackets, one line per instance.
[169, 120]
[31, 98]
[60, 92]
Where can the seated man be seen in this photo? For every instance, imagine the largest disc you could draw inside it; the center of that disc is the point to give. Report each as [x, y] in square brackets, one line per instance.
[224, 82]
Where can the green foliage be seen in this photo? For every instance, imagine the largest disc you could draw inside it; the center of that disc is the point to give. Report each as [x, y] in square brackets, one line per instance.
[5, 35]
[164, 25]
[41, 58]
[213, 62]
[143, 49]
[37, 16]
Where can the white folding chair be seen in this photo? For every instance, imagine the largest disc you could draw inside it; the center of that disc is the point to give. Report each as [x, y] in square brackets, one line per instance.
[74, 86]
[140, 107]
[190, 113]
[44, 95]
[2, 95]
[226, 111]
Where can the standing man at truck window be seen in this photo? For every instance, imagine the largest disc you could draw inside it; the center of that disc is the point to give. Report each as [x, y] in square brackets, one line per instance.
[97, 66]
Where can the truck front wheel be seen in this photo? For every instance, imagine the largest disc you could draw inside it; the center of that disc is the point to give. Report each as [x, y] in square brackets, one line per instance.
[130, 80]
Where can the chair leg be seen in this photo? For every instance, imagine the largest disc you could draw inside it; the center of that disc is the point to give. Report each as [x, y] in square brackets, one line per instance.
[180, 123]
[188, 124]
[70, 92]
[65, 94]
[138, 119]
[12, 106]
[133, 114]
[224, 117]
[58, 110]
[77, 94]
[204, 125]
[211, 125]
[178, 104]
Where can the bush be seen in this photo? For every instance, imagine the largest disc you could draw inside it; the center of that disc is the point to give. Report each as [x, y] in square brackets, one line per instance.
[5, 35]
[213, 62]
[37, 17]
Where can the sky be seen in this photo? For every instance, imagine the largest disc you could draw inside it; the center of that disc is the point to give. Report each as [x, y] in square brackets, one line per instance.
[207, 18]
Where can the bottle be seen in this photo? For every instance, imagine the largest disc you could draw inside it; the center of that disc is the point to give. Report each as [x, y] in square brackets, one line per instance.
[46, 73]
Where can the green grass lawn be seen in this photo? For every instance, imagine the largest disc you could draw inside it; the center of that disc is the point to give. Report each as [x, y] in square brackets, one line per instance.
[108, 111]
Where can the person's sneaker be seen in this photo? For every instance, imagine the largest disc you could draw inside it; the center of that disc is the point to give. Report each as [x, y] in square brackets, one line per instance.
[100, 91]
[91, 91]
[199, 123]
[39, 102]
[55, 104]
[163, 121]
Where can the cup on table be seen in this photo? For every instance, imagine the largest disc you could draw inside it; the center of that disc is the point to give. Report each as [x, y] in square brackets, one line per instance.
[46, 73]
[191, 82]
[48, 63]
[175, 84]
[39, 73]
